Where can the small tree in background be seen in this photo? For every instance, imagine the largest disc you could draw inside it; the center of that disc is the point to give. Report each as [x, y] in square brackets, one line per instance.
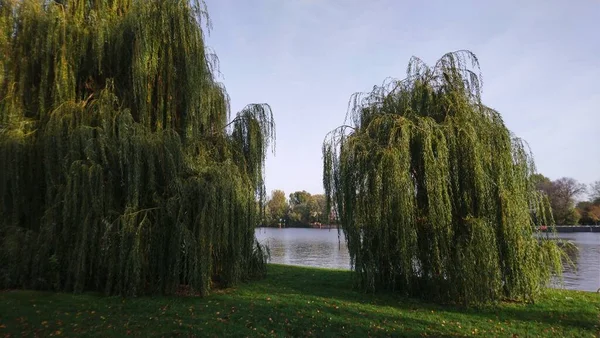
[277, 207]
[562, 194]
[595, 191]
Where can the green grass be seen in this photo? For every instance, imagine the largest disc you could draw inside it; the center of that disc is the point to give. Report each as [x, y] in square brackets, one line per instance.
[292, 301]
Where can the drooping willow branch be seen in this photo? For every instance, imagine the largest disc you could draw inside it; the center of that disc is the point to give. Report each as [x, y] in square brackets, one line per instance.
[434, 193]
[116, 171]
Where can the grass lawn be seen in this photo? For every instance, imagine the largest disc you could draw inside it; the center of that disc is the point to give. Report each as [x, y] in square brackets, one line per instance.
[292, 301]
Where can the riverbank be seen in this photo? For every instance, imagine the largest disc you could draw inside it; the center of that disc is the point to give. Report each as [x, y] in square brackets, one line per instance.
[577, 228]
[559, 228]
[307, 226]
[292, 301]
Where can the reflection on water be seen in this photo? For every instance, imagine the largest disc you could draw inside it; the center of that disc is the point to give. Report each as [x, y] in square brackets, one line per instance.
[323, 248]
[585, 272]
[308, 247]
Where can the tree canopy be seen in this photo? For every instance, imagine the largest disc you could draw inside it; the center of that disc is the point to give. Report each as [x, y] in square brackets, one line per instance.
[301, 210]
[277, 207]
[595, 191]
[589, 211]
[121, 169]
[562, 194]
[434, 193]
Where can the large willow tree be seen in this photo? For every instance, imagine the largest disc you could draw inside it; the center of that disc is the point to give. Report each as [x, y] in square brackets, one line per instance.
[120, 167]
[434, 193]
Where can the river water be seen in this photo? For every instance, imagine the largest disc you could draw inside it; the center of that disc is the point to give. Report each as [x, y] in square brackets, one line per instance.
[326, 248]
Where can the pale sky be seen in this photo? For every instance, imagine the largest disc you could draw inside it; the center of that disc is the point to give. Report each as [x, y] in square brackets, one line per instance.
[539, 60]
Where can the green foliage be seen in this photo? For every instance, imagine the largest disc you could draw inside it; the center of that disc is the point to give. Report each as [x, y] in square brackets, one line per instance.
[306, 208]
[277, 208]
[302, 210]
[118, 169]
[318, 209]
[299, 197]
[572, 216]
[299, 212]
[435, 195]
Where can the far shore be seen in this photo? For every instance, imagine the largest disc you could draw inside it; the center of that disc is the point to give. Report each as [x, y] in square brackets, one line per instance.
[559, 228]
[578, 228]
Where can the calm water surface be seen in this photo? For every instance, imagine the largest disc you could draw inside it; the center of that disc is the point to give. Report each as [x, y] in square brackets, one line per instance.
[585, 275]
[326, 248]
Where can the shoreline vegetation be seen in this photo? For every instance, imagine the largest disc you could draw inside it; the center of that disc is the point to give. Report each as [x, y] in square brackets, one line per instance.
[293, 301]
[578, 228]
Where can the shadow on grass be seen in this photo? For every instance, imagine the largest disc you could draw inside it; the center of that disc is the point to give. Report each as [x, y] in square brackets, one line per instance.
[337, 284]
[291, 301]
[237, 314]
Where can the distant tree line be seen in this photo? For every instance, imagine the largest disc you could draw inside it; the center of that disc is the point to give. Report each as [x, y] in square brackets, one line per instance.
[563, 194]
[300, 209]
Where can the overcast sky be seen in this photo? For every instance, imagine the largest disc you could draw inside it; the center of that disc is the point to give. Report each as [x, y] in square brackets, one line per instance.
[539, 60]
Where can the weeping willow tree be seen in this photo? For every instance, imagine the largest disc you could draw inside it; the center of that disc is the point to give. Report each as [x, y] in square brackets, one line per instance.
[434, 193]
[121, 169]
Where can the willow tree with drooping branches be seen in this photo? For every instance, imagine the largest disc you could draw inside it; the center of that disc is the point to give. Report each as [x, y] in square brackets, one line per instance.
[434, 192]
[121, 169]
